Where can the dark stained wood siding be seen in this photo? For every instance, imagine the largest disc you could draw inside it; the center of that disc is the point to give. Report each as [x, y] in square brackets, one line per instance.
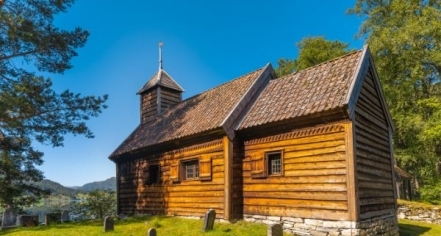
[149, 102]
[149, 108]
[313, 183]
[373, 154]
[169, 98]
[237, 185]
[183, 197]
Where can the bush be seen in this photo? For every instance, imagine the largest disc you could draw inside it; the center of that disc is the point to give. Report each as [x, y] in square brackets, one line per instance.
[431, 193]
[96, 205]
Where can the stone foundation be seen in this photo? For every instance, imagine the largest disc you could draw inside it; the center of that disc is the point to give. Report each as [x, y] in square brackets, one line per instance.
[426, 214]
[384, 225]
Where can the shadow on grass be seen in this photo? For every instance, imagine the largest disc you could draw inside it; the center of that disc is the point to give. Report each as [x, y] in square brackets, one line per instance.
[412, 230]
[37, 228]
[67, 225]
[137, 219]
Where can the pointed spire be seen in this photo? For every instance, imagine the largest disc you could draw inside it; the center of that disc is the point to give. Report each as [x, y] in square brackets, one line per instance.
[160, 55]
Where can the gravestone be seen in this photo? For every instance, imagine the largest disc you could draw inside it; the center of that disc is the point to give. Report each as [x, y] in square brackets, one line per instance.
[275, 230]
[151, 232]
[9, 217]
[52, 218]
[65, 216]
[108, 224]
[210, 216]
[27, 220]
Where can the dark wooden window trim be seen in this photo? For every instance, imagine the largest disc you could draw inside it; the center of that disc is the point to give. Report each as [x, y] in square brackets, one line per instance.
[189, 169]
[261, 166]
[202, 165]
[275, 163]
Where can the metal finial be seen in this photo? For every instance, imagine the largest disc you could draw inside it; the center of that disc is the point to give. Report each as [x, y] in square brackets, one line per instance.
[160, 55]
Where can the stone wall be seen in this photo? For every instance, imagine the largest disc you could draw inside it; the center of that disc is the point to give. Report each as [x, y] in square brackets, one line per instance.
[385, 225]
[426, 214]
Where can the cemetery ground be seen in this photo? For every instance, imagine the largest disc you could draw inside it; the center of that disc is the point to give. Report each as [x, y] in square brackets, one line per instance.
[170, 226]
[174, 226]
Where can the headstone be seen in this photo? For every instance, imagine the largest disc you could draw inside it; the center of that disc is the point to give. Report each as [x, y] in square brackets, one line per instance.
[275, 230]
[52, 218]
[151, 232]
[27, 220]
[210, 216]
[65, 216]
[108, 224]
[9, 217]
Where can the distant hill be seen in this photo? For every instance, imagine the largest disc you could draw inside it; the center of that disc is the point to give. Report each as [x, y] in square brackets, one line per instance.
[109, 183]
[57, 188]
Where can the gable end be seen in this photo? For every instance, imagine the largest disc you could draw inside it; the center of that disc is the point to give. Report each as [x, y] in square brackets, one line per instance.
[365, 68]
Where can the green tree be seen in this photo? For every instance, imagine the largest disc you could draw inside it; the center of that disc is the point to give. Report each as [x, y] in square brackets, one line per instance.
[29, 108]
[97, 204]
[405, 39]
[312, 51]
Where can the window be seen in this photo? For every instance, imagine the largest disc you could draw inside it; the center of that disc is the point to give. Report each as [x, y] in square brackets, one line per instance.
[191, 169]
[266, 164]
[274, 163]
[154, 174]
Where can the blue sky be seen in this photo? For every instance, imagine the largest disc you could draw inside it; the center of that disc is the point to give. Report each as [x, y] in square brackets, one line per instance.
[206, 43]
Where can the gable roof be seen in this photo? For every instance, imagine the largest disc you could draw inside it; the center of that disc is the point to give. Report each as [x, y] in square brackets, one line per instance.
[313, 90]
[253, 100]
[328, 86]
[161, 78]
[207, 111]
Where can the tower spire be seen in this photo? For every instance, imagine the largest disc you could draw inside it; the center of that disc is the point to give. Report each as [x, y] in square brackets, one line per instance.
[160, 55]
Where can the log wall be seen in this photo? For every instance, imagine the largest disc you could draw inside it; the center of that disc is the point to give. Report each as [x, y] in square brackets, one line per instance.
[237, 183]
[169, 98]
[149, 108]
[174, 196]
[149, 102]
[313, 183]
[373, 154]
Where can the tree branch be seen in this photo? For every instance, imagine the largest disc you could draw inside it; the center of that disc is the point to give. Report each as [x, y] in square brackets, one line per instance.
[17, 55]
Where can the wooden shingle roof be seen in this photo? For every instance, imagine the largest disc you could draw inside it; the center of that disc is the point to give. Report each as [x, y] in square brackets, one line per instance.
[402, 173]
[161, 78]
[314, 90]
[254, 100]
[204, 112]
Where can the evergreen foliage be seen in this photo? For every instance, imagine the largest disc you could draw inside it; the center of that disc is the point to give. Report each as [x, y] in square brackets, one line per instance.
[29, 108]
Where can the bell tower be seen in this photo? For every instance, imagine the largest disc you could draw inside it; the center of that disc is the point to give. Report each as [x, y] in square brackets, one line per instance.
[160, 92]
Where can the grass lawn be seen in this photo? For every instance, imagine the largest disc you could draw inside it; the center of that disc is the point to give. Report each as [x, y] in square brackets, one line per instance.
[412, 228]
[173, 226]
[170, 226]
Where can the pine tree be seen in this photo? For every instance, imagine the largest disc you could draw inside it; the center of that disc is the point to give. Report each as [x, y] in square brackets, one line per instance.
[29, 108]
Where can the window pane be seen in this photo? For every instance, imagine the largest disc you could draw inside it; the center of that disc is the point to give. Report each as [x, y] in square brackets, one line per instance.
[191, 169]
[275, 163]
